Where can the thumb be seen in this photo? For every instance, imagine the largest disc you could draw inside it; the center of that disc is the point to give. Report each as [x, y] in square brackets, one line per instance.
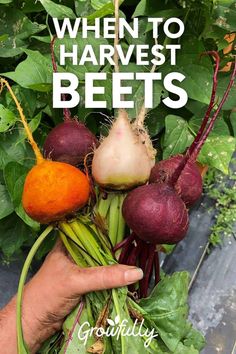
[106, 277]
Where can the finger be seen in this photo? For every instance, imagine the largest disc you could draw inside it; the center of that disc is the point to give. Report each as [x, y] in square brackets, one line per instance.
[100, 278]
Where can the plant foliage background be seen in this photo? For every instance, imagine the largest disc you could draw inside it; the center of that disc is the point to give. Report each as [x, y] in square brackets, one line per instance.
[25, 30]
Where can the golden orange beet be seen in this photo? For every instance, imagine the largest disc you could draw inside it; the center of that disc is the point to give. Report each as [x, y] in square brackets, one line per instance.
[54, 189]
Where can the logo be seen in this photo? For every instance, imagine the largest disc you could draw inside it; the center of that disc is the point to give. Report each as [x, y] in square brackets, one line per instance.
[117, 329]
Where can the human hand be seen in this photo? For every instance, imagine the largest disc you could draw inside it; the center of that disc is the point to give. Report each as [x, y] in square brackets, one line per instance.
[53, 293]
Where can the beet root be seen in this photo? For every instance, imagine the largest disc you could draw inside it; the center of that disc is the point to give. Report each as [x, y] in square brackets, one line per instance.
[69, 142]
[53, 190]
[122, 160]
[156, 214]
[189, 184]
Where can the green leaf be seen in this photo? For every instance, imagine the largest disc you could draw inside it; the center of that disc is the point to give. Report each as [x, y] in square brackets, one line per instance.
[155, 119]
[167, 308]
[218, 34]
[225, 15]
[220, 126]
[38, 69]
[3, 37]
[28, 100]
[80, 70]
[83, 8]
[157, 9]
[18, 28]
[5, 1]
[14, 176]
[182, 349]
[106, 10]
[33, 124]
[44, 39]
[7, 119]
[30, 6]
[99, 4]
[71, 343]
[13, 234]
[197, 82]
[168, 248]
[50, 344]
[177, 136]
[12, 172]
[195, 338]
[223, 83]
[6, 206]
[217, 152]
[233, 121]
[27, 220]
[12, 150]
[55, 10]
[140, 9]
[190, 53]
[138, 89]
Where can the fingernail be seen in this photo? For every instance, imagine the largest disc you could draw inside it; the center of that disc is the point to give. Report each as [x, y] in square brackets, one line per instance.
[133, 275]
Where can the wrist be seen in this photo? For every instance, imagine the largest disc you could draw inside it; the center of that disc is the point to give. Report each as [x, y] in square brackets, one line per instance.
[36, 329]
[38, 325]
[8, 331]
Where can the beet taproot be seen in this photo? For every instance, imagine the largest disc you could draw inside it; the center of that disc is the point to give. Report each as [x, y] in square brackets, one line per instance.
[189, 183]
[156, 214]
[70, 142]
[122, 161]
[53, 190]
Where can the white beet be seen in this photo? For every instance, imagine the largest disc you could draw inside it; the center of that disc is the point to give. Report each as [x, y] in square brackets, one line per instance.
[122, 160]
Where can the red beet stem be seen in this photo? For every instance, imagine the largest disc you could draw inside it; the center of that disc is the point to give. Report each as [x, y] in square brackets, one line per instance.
[123, 243]
[212, 101]
[134, 255]
[149, 268]
[132, 259]
[126, 249]
[214, 117]
[66, 111]
[77, 319]
[157, 268]
[187, 157]
[142, 265]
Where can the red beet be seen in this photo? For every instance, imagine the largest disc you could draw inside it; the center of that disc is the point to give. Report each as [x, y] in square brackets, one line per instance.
[189, 183]
[156, 214]
[69, 142]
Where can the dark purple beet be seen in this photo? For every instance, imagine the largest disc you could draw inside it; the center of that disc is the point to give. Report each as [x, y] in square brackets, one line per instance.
[189, 184]
[156, 214]
[69, 142]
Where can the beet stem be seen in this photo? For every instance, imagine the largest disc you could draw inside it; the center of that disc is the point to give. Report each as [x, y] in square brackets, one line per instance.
[212, 101]
[77, 319]
[157, 268]
[37, 152]
[139, 121]
[132, 260]
[149, 268]
[125, 251]
[123, 243]
[116, 40]
[187, 157]
[215, 115]
[66, 111]
[142, 265]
